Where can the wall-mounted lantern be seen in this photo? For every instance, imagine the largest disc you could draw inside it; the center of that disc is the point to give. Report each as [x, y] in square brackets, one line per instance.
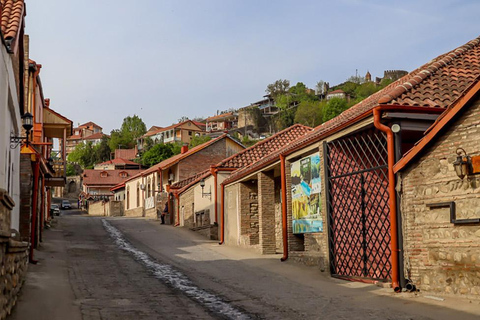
[27, 124]
[205, 194]
[463, 163]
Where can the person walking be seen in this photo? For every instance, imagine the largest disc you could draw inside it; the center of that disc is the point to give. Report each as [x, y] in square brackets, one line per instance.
[164, 213]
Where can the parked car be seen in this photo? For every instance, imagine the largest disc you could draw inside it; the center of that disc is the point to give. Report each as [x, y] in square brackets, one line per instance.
[66, 204]
[55, 209]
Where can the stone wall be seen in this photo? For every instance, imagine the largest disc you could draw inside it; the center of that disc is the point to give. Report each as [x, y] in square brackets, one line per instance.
[442, 257]
[98, 208]
[26, 187]
[13, 259]
[136, 212]
[117, 208]
[186, 201]
[266, 212]
[249, 230]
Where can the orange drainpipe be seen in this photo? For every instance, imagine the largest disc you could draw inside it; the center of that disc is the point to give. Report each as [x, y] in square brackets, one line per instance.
[284, 209]
[213, 171]
[177, 196]
[222, 214]
[36, 171]
[392, 194]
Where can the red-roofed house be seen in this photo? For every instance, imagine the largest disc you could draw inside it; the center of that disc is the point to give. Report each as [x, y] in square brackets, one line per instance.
[86, 132]
[177, 133]
[118, 163]
[97, 183]
[352, 226]
[222, 122]
[140, 189]
[200, 195]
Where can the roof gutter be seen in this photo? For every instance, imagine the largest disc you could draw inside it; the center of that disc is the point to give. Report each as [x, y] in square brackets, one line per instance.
[213, 171]
[222, 214]
[284, 209]
[377, 116]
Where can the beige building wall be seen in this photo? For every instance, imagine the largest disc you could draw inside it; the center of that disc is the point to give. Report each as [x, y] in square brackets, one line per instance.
[231, 215]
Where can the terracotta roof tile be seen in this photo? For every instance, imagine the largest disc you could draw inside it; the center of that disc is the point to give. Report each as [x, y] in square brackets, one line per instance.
[430, 86]
[220, 116]
[93, 177]
[264, 147]
[118, 161]
[13, 12]
[126, 153]
[189, 180]
[253, 154]
[95, 136]
[172, 160]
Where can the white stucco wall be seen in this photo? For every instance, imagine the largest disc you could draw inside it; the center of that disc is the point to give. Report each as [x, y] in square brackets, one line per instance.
[10, 122]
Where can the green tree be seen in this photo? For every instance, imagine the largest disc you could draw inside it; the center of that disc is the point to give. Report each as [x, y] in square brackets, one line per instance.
[158, 153]
[333, 108]
[198, 140]
[83, 154]
[102, 151]
[309, 113]
[132, 128]
[277, 88]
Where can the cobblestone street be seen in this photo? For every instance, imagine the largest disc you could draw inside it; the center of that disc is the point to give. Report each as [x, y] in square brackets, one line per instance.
[139, 269]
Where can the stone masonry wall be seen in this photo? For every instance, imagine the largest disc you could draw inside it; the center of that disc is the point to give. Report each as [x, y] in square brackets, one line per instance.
[26, 187]
[249, 211]
[266, 212]
[442, 257]
[202, 159]
[186, 200]
[13, 259]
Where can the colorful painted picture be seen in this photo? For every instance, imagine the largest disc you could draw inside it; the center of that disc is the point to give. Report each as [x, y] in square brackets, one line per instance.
[306, 200]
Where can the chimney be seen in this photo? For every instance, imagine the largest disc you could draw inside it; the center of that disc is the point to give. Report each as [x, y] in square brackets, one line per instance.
[184, 148]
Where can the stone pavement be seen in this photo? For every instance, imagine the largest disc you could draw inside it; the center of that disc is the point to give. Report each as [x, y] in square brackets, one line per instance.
[48, 292]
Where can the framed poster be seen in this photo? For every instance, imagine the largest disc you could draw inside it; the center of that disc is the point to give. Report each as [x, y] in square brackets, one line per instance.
[306, 200]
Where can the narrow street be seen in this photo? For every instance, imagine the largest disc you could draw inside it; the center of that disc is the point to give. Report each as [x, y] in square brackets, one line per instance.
[120, 268]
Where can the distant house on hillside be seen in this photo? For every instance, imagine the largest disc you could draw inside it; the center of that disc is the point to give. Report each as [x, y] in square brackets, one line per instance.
[177, 133]
[337, 94]
[222, 122]
[81, 133]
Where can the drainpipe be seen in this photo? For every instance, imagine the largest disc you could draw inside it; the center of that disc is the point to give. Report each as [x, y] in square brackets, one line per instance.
[36, 171]
[213, 171]
[222, 214]
[177, 196]
[284, 209]
[392, 201]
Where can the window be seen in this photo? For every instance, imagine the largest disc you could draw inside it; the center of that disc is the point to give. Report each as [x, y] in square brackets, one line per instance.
[190, 133]
[103, 174]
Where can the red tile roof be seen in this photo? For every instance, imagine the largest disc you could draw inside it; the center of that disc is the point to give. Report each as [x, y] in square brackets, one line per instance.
[220, 116]
[191, 180]
[128, 154]
[165, 164]
[265, 147]
[118, 161]
[176, 125]
[13, 12]
[93, 177]
[89, 124]
[252, 154]
[95, 136]
[437, 84]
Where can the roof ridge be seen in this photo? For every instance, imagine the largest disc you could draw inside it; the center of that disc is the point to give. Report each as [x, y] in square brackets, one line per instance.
[415, 77]
[264, 141]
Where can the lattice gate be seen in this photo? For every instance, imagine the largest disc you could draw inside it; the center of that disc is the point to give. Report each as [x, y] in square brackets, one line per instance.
[357, 190]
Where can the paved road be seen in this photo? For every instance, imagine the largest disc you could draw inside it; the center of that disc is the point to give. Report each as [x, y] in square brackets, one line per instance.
[121, 268]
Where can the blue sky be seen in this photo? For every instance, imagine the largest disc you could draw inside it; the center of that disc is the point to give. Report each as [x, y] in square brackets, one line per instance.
[104, 60]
